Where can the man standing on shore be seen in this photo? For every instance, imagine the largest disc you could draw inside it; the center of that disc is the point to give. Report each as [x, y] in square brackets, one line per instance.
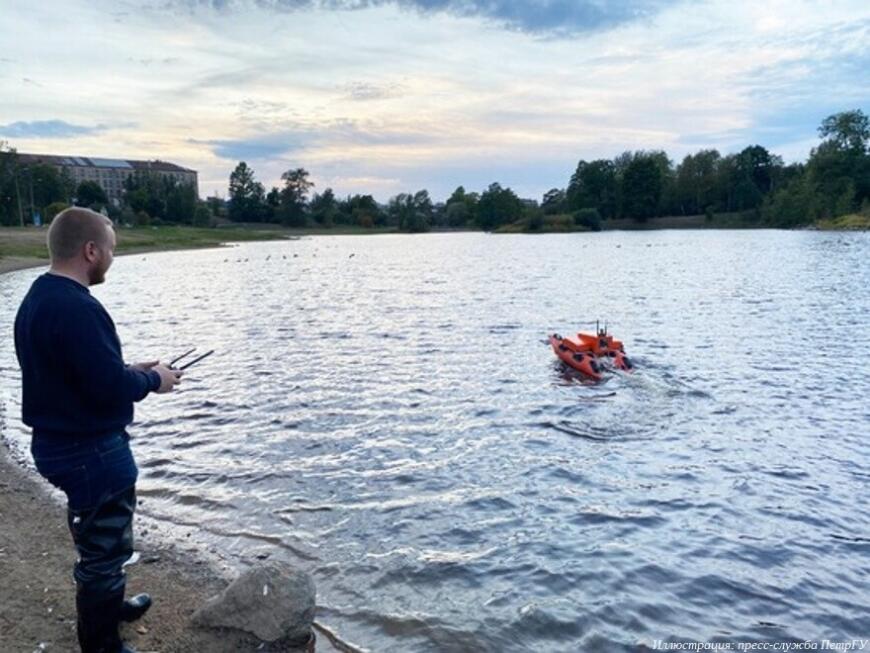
[78, 397]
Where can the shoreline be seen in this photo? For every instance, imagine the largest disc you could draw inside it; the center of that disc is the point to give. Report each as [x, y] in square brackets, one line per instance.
[37, 597]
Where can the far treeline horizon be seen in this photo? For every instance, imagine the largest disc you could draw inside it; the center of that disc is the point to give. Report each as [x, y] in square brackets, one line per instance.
[636, 185]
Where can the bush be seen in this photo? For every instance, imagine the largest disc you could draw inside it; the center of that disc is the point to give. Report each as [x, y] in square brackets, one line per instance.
[113, 212]
[202, 216]
[142, 219]
[562, 222]
[128, 217]
[589, 218]
[53, 209]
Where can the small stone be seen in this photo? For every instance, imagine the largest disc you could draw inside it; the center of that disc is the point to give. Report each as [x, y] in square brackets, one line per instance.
[142, 630]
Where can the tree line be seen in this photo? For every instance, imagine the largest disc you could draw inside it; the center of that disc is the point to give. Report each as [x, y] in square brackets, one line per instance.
[635, 185]
[640, 185]
[292, 205]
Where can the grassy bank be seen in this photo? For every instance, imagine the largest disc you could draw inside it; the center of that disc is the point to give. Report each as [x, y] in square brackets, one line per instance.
[337, 230]
[29, 242]
[748, 220]
[565, 223]
[853, 222]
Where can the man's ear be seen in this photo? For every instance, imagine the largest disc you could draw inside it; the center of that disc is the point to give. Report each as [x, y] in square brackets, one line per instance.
[91, 252]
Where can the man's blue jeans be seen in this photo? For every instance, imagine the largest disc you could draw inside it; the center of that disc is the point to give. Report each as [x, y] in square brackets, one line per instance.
[88, 470]
[98, 477]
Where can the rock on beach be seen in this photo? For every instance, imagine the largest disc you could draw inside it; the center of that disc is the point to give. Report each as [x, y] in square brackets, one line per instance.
[273, 602]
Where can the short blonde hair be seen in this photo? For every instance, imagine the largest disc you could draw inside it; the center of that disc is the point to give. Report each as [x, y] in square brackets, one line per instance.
[72, 228]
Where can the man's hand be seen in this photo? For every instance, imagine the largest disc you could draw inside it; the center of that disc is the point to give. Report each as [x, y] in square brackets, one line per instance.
[144, 367]
[169, 378]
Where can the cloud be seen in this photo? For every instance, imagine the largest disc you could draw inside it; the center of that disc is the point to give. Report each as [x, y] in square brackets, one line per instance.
[46, 129]
[147, 61]
[561, 17]
[362, 91]
[269, 146]
[338, 133]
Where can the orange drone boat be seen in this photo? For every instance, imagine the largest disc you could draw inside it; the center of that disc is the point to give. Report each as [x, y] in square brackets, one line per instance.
[591, 354]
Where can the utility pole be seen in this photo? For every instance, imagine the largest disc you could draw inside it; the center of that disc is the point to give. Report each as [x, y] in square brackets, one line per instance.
[18, 199]
[32, 221]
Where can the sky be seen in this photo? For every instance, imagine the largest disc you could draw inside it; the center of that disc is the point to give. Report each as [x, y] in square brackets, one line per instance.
[391, 96]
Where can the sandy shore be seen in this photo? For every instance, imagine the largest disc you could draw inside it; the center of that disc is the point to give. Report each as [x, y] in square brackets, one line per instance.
[37, 604]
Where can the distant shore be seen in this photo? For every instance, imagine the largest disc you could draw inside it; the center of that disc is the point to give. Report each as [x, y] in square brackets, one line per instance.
[561, 224]
[37, 597]
[23, 247]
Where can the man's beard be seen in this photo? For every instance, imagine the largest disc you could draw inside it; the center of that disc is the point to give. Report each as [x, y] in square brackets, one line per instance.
[97, 274]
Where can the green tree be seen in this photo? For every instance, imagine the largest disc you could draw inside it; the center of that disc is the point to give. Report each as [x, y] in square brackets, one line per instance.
[181, 202]
[364, 211]
[589, 218]
[498, 206]
[553, 201]
[411, 213]
[470, 201]
[216, 205]
[202, 216]
[797, 203]
[52, 210]
[90, 193]
[136, 199]
[594, 185]
[273, 205]
[759, 166]
[847, 131]
[840, 165]
[457, 214]
[696, 182]
[294, 196]
[155, 206]
[324, 208]
[459, 195]
[667, 196]
[11, 206]
[642, 187]
[42, 184]
[247, 195]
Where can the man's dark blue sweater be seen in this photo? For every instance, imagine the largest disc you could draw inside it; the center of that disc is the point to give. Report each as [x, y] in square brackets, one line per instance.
[75, 382]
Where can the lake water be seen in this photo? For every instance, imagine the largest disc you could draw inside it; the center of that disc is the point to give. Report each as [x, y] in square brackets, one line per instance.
[384, 412]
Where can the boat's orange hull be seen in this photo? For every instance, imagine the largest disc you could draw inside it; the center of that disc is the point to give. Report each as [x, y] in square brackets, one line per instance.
[588, 352]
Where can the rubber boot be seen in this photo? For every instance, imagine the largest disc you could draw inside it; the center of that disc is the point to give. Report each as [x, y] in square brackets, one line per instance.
[104, 541]
[135, 608]
[97, 625]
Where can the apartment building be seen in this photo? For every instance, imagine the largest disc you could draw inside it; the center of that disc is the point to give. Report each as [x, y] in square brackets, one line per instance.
[111, 174]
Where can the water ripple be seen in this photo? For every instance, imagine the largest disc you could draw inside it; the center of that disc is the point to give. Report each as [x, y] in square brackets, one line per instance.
[398, 425]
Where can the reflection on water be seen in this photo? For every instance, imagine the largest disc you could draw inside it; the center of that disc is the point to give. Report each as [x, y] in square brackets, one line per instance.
[394, 423]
